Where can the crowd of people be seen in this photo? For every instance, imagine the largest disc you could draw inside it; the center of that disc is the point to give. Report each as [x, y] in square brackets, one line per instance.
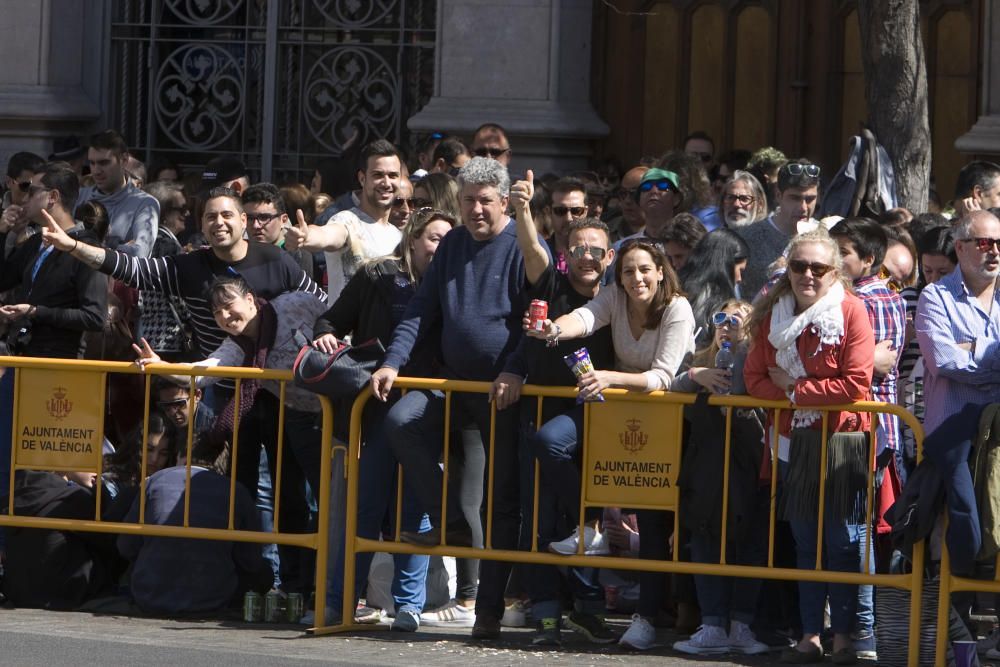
[653, 268]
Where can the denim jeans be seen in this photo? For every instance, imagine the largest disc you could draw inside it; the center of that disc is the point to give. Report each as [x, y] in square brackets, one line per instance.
[376, 504]
[725, 598]
[415, 427]
[843, 546]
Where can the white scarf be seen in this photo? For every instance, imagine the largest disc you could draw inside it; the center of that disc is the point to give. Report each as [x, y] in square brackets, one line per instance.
[827, 320]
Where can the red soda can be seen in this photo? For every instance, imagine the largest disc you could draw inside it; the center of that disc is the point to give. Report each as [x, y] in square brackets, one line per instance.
[538, 312]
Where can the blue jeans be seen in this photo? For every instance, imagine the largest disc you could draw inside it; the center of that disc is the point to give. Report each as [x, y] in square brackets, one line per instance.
[843, 546]
[376, 503]
[557, 446]
[725, 598]
[415, 429]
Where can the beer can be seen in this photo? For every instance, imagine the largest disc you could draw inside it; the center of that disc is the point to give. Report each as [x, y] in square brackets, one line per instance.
[274, 611]
[538, 312]
[294, 607]
[253, 608]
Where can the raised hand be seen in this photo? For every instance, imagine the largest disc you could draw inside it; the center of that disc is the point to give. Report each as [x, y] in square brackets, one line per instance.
[298, 234]
[54, 235]
[522, 192]
[145, 354]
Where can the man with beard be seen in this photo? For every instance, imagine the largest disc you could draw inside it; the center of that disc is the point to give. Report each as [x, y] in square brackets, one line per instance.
[362, 232]
[742, 201]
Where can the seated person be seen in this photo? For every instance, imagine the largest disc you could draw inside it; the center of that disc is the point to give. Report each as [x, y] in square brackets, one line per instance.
[54, 569]
[123, 469]
[177, 575]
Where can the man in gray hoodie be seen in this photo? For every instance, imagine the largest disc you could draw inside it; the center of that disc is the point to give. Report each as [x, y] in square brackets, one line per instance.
[134, 214]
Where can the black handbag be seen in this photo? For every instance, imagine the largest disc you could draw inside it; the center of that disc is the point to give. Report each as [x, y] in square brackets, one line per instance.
[342, 374]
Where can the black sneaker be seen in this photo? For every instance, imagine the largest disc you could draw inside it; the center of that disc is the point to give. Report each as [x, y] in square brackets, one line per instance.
[487, 626]
[592, 627]
[548, 633]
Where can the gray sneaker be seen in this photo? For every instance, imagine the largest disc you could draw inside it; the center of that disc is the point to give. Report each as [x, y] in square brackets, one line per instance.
[406, 621]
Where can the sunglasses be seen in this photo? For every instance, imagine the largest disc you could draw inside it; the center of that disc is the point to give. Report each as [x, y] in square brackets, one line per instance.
[723, 320]
[662, 185]
[23, 186]
[400, 201]
[491, 152]
[262, 218]
[419, 203]
[581, 251]
[35, 189]
[818, 269]
[984, 243]
[744, 200]
[797, 169]
[175, 404]
[575, 211]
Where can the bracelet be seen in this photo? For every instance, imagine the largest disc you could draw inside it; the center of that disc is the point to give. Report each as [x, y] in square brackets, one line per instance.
[76, 244]
[553, 339]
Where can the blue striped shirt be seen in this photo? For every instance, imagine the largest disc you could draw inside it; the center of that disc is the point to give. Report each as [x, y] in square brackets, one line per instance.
[948, 316]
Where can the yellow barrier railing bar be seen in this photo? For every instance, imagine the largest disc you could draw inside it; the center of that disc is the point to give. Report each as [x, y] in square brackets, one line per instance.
[13, 468]
[445, 470]
[147, 388]
[537, 479]
[234, 454]
[323, 498]
[488, 538]
[279, 454]
[727, 448]
[772, 505]
[821, 518]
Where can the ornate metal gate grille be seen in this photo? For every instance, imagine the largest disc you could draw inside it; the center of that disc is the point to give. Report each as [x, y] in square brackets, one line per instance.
[281, 83]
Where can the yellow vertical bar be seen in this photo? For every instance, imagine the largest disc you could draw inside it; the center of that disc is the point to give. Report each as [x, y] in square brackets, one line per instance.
[916, 595]
[538, 471]
[871, 522]
[444, 472]
[944, 597]
[280, 455]
[145, 430]
[581, 524]
[822, 491]
[677, 510]
[351, 519]
[727, 451]
[772, 518]
[192, 387]
[399, 501]
[323, 500]
[13, 438]
[489, 486]
[233, 457]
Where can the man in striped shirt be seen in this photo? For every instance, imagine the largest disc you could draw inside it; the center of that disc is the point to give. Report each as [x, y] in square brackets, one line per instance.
[269, 270]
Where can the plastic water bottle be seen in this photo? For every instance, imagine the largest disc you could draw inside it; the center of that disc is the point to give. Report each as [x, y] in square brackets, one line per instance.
[724, 359]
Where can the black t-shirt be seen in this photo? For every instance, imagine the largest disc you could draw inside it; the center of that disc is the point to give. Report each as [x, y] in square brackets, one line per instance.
[545, 365]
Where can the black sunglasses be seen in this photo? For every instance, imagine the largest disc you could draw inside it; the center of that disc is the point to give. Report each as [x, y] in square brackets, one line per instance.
[581, 251]
[818, 269]
[23, 185]
[491, 152]
[575, 211]
[399, 201]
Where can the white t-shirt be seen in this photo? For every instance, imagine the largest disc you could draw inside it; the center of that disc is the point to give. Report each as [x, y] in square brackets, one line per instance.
[366, 239]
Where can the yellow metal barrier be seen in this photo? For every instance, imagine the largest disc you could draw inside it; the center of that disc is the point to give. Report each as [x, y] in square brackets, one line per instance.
[49, 391]
[662, 401]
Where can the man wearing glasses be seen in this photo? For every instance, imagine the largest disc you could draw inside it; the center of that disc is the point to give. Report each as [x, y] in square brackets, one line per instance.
[569, 203]
[490, 140]
[173, 398]
[267, 220]
[798, 193]
[958, 329]
[20, 169]
[743, 201]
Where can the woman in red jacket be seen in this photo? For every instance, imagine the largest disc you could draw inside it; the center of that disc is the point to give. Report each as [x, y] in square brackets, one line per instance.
[813, 344]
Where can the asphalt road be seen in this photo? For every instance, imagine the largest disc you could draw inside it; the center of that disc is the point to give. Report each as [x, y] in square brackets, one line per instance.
[33, 638]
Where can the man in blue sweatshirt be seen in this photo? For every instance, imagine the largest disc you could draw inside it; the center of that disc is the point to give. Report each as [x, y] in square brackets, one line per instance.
[473, 297]
[134, 215]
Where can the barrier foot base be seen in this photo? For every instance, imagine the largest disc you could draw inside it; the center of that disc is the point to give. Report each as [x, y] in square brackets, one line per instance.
[350, 627]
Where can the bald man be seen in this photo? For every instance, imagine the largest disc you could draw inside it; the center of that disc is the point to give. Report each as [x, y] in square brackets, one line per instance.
[630, 219]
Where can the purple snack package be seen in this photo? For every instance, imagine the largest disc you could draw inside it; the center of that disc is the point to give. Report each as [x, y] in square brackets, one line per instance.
[579, 362]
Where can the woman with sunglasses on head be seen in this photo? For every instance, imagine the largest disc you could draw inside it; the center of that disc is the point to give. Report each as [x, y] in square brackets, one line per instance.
[728, 605]
[652, 331]
[370, 306]
[813, 345]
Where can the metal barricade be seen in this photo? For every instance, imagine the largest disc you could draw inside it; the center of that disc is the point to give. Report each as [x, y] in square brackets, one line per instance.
[654, 402]
[58, 415]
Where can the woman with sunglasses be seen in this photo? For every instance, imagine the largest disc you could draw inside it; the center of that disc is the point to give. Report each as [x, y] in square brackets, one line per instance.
[652, 331]
[813, 344]
[728, 605]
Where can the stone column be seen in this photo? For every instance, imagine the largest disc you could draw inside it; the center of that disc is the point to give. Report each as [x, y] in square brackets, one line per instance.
[984, 137]
[524, 64]
[51, 67]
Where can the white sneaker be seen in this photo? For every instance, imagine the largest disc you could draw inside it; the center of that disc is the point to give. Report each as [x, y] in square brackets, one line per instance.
[708, 640]
[989, 641]
[452, 615]
[516, 615]
[593, 543]
[640, 636]
[742, 640]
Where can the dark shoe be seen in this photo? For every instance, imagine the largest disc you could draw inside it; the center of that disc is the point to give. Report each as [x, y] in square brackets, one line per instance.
[592, 627]
[547, 634]
[845, 656]
[864, 645]
[793, 656]
[487, 626]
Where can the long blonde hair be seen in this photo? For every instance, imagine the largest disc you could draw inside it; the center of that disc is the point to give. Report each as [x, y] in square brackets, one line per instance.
[762, 308]
[706, 355]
